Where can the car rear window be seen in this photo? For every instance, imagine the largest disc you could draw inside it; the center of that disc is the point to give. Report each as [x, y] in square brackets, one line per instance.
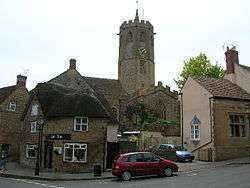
[135, 158]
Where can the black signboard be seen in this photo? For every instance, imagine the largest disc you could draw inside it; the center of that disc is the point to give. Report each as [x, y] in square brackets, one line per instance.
[58, 137]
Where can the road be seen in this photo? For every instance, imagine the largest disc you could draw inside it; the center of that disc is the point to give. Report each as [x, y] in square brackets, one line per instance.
[220, 177]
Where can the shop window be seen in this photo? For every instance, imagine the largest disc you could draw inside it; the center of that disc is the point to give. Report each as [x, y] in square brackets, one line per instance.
[75, 152]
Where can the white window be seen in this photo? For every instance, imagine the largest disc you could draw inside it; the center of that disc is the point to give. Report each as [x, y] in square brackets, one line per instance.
[195, 132]
[75, 152]
[33, 127]
[12, 106]
[30, 151]
[195, 128]
[81, 124]
[34, 110]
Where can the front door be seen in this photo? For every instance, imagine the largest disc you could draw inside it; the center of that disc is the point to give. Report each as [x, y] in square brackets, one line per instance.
[48, 154]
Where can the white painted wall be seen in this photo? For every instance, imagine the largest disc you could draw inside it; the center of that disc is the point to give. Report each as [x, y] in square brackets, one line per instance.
[195, 102]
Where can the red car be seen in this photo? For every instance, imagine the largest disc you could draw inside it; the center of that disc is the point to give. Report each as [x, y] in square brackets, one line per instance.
[142, 163]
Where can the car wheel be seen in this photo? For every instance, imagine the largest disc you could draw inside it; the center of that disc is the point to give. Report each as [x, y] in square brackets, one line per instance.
[168, 172]
[126, 175]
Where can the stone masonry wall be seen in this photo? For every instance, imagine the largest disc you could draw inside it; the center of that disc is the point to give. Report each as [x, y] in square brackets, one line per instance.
[10, 122]
[227, 147]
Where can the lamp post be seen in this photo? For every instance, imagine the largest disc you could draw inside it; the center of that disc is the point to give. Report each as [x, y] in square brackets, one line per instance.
[40, 123]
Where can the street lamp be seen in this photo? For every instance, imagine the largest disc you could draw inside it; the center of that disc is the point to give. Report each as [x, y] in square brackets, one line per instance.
[40, 123]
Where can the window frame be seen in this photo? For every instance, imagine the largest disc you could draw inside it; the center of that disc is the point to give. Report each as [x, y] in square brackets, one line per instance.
[28, 146]
[32, 110]
[73, 152]
[81, 124]
[12, 104]
[194, 128]
[239, 126]
[33, 123]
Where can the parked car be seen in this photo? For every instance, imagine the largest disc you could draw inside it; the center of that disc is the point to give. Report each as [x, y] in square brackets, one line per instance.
[128, 165]
[181, 153]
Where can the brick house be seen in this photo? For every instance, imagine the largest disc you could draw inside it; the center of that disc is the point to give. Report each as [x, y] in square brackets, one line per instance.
[216, 114]
[13, 100]
[75, 132]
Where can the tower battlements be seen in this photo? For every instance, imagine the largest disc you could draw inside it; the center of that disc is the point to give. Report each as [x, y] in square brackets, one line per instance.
[136, 23]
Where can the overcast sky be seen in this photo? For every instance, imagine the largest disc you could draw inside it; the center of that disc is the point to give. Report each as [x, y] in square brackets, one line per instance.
[42, 35]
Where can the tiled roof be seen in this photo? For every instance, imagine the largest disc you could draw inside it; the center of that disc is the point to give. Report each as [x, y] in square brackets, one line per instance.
[106, 86]
[6, 91]
[221, 87]
[245, 67]
[59, 101]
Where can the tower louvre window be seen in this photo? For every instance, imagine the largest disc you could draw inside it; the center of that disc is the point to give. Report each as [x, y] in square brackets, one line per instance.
[142, 37]
[129, 37]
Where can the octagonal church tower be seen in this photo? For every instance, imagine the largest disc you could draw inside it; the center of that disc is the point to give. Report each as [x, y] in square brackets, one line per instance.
[136, 68]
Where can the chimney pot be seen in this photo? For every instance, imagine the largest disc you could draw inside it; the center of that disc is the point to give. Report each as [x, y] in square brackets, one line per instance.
[21, 80]
[72, 63]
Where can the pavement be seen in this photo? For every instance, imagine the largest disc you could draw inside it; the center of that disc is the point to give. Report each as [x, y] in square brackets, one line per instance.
[14, 170]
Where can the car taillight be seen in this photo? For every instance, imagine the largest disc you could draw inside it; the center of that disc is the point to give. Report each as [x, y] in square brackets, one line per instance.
[117, 167]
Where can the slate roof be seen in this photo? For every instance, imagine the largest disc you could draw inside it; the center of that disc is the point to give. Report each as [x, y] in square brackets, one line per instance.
[5, 92]
[222, 87]
[106, 86]
[59, 101]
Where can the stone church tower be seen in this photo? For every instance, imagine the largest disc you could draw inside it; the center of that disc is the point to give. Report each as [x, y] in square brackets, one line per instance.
[136, 68]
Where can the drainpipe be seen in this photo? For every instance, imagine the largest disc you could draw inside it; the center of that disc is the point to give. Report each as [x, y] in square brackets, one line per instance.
[181, 98]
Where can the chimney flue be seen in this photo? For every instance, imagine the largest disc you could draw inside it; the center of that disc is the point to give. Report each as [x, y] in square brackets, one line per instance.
[231, 59]
[21, 80]
[72, 63]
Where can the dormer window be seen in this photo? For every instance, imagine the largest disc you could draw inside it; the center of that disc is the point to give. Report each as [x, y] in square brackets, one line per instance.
[34, 110]
[12, 107]
[81, 124]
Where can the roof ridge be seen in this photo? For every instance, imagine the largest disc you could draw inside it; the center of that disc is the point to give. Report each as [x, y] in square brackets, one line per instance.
[101, 78]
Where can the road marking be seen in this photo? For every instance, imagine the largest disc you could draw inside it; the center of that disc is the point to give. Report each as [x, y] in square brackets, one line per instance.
[192, 174]
[40, 184]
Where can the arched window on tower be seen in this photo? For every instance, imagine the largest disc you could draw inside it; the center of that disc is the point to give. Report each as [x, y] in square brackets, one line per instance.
[164, 114]
[115, 112]
[142, 37]
[152, 40]
[129, 37]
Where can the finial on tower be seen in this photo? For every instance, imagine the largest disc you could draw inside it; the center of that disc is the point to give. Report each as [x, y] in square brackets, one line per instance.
[137, 15]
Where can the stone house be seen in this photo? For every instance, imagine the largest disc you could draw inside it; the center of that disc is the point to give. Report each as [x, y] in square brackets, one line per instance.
[74, 134]
[216, 116]
[13, 100]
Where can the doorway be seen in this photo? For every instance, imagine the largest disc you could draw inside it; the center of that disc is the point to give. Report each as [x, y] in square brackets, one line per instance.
[48, 154]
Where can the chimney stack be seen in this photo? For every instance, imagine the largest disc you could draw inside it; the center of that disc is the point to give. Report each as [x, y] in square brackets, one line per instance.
[231, 59]
[72, 64]
[21, 80]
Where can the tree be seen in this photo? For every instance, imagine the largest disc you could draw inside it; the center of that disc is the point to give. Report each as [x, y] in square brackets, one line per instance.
[199, 66]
